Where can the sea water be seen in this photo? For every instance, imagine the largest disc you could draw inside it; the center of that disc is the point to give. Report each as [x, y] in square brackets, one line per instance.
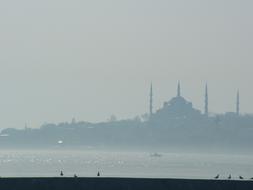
[49, 163]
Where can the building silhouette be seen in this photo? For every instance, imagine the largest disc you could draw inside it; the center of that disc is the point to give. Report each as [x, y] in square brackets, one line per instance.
[176, 109]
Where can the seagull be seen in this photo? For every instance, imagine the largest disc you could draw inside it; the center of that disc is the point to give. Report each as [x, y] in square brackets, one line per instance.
[217, 177]
[240, 177]
[61, 174]
[229, 177]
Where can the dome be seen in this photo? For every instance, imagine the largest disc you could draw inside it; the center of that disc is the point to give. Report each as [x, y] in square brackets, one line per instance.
[179, 100]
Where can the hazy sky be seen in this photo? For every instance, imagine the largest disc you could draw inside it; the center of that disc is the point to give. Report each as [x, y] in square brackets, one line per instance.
[89, 59]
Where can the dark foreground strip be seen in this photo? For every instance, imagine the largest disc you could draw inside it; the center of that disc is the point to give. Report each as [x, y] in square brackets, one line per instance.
[120, 184]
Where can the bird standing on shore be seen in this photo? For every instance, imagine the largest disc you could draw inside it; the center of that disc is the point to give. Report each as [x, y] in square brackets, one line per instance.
[217, 177]
[229, 177]
[61, 174]
[98, 174]
[240, 177]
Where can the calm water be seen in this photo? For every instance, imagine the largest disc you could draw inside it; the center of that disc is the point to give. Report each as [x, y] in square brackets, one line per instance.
[122, 164]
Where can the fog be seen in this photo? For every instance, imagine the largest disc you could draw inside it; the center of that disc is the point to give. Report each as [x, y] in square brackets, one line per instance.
[89, 59]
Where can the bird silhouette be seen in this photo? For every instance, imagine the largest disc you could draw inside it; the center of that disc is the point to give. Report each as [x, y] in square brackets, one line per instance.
[241, 177]
[61, 174]
[229, 177]
[217, 177]
[98, 174]
[75, 176]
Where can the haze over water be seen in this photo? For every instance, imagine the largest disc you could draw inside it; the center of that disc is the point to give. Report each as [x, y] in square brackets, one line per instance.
[49, 163]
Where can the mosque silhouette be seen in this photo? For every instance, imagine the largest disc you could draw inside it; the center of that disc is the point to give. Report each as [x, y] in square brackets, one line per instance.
[179, 109]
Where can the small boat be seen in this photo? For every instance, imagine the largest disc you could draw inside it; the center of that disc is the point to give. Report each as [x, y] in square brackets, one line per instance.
[155, 155]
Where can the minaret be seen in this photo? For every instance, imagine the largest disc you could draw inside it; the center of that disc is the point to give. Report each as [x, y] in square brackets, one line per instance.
[238, 103]
[178, 89]
[206, 100]
[151, 100]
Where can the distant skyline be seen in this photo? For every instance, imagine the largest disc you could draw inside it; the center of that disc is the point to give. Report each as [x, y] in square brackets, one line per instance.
[89, 60]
